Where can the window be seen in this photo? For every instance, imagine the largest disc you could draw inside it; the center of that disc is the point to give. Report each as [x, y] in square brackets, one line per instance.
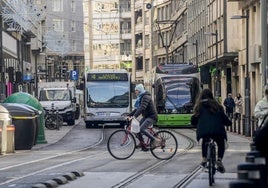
[73, 45]
[73, 25]
[73, 6]
[57, 5]
[57, 25]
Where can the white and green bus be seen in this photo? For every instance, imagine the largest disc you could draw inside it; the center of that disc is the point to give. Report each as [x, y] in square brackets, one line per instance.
[108, 97]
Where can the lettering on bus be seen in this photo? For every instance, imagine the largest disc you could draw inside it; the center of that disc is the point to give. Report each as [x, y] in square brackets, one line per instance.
[107, 77]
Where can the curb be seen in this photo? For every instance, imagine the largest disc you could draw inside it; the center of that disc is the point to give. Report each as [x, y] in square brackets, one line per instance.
[55, 182]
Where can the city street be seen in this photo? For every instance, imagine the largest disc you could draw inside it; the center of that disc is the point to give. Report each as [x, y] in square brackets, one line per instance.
[81, 150]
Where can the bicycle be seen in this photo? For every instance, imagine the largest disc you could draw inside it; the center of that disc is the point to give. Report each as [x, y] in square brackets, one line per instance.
[53, 120]
[211, 157]
[122, 143]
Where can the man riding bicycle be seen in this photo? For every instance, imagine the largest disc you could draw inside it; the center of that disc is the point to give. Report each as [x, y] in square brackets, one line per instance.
[144, 106]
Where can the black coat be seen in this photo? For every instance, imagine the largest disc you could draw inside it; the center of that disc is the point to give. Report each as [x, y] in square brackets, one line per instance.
[210, 124]
[146, 107]
[229, 104]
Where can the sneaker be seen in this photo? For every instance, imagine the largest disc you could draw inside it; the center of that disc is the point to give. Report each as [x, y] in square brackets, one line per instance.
[138, 146]
[220, 166]
[204, 163]
[143, 148]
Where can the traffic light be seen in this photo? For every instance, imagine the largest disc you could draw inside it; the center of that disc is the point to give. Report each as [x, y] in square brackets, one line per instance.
[63, 71]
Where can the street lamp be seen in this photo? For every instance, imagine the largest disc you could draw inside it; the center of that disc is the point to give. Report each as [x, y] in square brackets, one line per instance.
[247, 78]
[218, 87]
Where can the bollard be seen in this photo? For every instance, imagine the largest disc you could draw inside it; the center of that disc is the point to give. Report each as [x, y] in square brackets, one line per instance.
[253, 172]
[235, 128]
[250, 159]
[244, 125]
[258, 158]
[242, 184]
[239, 126]
[252, 146]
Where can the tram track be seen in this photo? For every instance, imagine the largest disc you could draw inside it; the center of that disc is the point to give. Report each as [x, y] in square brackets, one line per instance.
[141, 173]
[65, 158]
[81, 155]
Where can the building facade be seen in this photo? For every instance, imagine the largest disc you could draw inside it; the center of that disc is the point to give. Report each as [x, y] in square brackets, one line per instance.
[63, 40]
[108, 34]
[206, 33]
[20, 36]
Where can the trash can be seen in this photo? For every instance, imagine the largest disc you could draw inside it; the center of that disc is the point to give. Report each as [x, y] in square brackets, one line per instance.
[14, 106]
[6, 132]
[25, 122]
[26, 98]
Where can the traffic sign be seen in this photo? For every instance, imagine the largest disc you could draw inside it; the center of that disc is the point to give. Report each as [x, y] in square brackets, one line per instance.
[74, 75]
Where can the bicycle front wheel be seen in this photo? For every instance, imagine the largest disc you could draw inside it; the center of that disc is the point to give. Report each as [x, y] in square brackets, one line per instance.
[168, 147]
[121, 144]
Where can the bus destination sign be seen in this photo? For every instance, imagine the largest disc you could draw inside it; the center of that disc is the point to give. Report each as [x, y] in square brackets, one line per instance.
[107, 77]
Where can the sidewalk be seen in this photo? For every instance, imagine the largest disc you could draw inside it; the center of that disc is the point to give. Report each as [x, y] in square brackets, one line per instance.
[53, 136]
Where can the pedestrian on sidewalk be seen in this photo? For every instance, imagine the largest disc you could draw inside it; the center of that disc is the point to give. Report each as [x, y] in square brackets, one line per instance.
[229, 106]
[238, 106]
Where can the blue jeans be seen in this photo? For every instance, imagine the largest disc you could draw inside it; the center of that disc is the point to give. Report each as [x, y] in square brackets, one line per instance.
[144, 124]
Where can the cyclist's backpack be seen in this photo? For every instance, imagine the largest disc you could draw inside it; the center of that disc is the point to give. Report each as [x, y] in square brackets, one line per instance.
[135, 125]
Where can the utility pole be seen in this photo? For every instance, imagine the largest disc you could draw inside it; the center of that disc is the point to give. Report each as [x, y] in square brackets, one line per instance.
[217, 85]
[166, 44]
[264, 41]
[247, 77]
[2, 65]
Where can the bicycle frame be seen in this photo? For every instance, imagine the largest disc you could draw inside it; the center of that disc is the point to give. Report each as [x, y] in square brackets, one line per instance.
[146, 142]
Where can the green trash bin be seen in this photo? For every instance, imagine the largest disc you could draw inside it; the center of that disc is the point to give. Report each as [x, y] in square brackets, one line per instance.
[24, 118]
[26, 98]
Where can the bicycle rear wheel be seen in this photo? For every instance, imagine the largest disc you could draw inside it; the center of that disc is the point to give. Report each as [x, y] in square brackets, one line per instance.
[168, 147]
[121, 144]
[211, 164]
[51, 122]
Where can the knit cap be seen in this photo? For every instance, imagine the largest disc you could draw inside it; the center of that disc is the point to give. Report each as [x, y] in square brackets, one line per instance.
[140, 88]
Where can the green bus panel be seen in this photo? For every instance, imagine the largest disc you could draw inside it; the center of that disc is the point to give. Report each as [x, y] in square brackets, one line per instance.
[174, 120]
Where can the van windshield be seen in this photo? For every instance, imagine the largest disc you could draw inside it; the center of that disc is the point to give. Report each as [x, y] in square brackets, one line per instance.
[55, 95]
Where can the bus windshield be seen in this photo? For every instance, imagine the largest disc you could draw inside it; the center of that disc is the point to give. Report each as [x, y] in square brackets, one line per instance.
[180, 93]
[178, 96]
[108, 94]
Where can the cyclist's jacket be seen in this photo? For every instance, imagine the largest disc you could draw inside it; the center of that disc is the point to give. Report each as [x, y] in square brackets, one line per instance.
[210, 124]
[146, 107]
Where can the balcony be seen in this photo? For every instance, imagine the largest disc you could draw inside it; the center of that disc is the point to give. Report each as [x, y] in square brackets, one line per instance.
[125, 34]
